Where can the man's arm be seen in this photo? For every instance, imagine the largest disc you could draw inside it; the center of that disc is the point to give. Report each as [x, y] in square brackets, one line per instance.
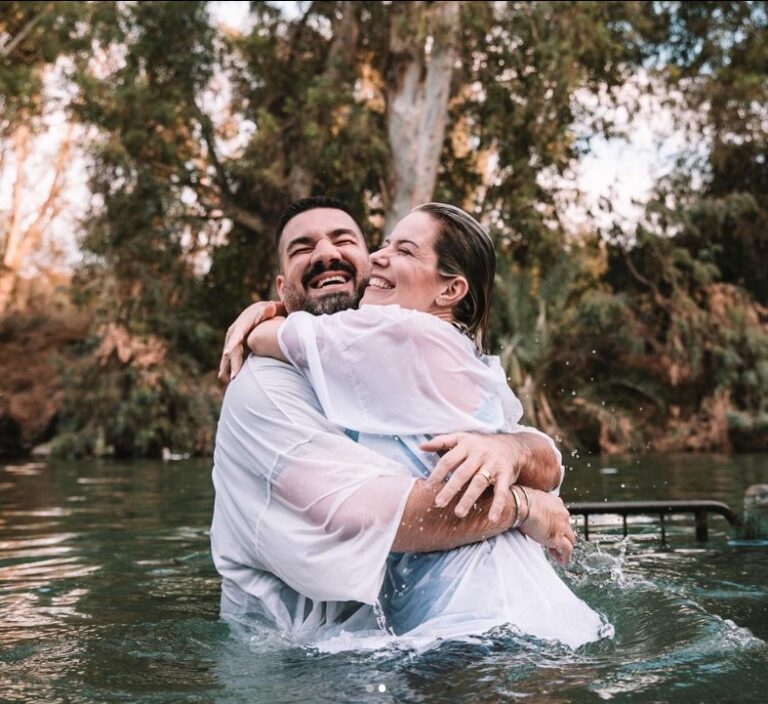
[426, 528]
[524, 457]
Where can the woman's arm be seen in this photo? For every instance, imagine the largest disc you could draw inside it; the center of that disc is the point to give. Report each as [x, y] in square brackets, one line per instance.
[263, 339]
[389, 371]
[233, 354]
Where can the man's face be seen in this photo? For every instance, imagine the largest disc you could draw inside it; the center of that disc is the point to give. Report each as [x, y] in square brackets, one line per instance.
[324, 262]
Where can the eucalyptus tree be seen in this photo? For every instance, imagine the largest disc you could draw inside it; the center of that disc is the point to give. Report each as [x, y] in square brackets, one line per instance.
[204, 135]
[35, 37]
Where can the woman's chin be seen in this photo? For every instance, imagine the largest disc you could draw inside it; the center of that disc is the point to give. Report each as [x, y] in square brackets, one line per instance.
[378, 297]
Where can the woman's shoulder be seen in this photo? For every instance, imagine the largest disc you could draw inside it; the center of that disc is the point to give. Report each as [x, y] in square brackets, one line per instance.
[415, 322]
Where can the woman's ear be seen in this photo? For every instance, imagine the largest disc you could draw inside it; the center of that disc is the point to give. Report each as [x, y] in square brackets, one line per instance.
[452, 291]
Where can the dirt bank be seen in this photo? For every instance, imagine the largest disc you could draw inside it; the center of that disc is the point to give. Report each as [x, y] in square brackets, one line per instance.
[35, 348]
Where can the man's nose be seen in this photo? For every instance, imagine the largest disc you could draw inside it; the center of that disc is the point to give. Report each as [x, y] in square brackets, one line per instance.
[325, 251]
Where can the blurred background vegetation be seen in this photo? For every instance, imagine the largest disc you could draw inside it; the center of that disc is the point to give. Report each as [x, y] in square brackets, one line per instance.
[189, 137]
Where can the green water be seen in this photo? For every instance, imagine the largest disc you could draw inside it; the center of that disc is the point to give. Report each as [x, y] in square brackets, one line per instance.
[107, 594]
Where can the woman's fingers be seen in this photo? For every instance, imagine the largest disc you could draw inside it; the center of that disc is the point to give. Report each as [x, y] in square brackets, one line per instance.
[440, 443]
[233, 354]
[231, 362]
[501, 494]
[564, 550]
[477, 485]
[461, 475]
[448, 462]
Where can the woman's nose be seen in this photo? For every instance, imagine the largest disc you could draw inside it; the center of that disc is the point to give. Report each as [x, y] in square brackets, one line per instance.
[380, 257]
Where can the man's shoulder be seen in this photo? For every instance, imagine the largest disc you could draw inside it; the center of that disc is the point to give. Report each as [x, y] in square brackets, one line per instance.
[265, 373]
[268, 385]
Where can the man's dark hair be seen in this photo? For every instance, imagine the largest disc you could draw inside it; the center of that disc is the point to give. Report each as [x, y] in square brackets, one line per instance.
[312, 203]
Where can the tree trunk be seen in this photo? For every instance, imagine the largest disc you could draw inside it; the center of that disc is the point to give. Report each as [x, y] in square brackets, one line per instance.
[13, 235]
[422, 55]
[20, 242]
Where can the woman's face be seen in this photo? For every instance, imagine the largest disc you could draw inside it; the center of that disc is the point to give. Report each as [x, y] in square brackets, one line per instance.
[404, 270]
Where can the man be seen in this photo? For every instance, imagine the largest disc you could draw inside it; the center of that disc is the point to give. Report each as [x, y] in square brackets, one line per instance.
[305, 518]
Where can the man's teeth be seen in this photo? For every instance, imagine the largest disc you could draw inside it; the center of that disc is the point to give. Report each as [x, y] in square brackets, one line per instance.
[379, 283]
[330, 281]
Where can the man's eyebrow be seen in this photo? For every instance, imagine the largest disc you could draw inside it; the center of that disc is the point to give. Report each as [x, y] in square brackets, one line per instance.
[299, 241]
[308, 239]
[339, 231]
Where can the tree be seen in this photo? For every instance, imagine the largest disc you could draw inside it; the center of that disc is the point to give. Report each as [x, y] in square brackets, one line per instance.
[386, 105]
[35, 37]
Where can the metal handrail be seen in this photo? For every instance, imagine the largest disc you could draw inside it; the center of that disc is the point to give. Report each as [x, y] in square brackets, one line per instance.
[700, 510]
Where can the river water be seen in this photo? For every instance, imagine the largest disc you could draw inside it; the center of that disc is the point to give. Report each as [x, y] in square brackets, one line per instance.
[108, 594]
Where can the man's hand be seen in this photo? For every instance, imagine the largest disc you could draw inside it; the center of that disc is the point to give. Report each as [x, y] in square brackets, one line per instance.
[501, 457]
[549, 524]
[234, 351]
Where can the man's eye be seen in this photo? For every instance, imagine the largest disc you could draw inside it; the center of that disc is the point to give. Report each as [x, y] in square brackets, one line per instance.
[346, 240]
[301, 250]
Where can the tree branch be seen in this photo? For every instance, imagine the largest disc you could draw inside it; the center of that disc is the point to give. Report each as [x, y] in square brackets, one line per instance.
[8, 49]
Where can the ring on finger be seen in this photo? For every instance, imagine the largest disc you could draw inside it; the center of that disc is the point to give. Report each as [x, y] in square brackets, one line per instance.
[485, 474]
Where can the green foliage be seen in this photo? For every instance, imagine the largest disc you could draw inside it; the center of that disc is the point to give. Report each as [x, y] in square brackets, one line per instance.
[611, 341]
[135, 405]
[34, 36]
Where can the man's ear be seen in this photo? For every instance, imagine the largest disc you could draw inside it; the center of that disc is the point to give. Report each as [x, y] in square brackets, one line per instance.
[279, 285]
[452, 291]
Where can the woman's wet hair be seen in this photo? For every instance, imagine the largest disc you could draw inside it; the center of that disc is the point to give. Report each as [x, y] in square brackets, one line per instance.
[464, 248]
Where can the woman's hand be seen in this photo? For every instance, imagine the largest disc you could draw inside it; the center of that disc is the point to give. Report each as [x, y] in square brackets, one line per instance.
[549, 524]
[481, 460]
[234, 351]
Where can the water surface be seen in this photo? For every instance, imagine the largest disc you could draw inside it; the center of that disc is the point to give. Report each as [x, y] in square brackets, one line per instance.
[108, 594]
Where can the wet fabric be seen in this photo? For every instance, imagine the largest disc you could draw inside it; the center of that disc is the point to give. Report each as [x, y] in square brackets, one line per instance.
[304, 517]
[394, 377]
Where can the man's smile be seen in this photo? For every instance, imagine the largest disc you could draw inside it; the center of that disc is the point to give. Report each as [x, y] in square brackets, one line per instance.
[330, 280]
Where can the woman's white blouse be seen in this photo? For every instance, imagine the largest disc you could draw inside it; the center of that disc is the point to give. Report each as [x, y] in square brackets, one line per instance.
[387, 370]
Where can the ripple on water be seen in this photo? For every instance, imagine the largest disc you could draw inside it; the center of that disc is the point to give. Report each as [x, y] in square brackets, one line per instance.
[114, 599]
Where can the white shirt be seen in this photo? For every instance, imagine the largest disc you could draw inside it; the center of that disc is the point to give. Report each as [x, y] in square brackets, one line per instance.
[304, 517]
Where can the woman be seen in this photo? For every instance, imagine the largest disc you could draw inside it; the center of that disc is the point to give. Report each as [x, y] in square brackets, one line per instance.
[406, 365]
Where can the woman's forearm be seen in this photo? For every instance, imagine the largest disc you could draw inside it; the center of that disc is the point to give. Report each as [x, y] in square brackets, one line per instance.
[263, 339]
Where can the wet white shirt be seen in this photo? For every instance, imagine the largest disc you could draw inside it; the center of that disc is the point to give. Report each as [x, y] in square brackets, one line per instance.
[304, 517]
[394, 377]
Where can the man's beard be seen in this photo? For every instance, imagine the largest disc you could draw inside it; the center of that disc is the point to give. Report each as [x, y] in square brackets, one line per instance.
[298, 298]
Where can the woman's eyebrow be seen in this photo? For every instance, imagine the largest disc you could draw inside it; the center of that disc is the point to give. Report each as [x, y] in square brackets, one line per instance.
[402, 241]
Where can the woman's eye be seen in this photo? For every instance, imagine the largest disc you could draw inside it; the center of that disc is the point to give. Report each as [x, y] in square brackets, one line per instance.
[405, 251]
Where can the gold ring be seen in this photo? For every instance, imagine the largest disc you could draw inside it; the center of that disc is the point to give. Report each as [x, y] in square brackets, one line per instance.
[485, 474]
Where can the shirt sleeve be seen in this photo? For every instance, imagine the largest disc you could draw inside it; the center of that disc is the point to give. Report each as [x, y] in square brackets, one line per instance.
[298, 498]
[386, 370]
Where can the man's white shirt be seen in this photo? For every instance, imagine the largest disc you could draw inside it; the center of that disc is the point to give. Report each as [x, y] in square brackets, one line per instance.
[304, 517]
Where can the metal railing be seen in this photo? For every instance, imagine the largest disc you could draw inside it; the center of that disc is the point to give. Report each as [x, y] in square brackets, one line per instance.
[699, 509]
